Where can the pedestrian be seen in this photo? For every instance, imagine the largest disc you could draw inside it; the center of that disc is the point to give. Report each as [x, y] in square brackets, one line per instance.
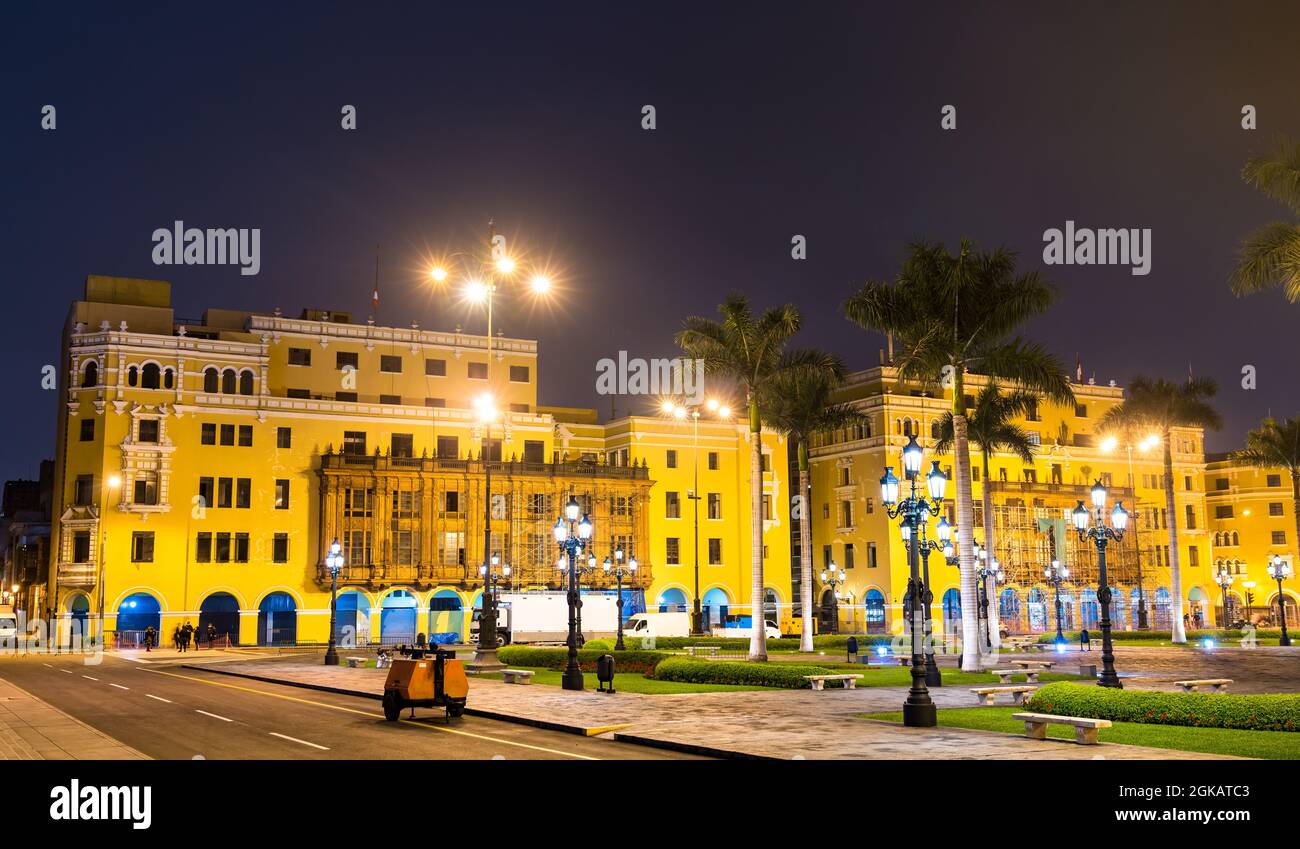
[176, 638]
[1084, 643]
[149, 636]
[187, 633]
[212, 634]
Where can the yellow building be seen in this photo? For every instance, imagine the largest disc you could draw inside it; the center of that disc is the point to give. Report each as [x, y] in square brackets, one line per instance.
[203, 467]
[1031, 504]
[1252, 518]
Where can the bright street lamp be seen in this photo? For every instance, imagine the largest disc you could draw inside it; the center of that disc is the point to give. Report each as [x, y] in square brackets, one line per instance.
[1100, 534]
[1279, 570]
[833, 576]
[573, 536]
[334, 563]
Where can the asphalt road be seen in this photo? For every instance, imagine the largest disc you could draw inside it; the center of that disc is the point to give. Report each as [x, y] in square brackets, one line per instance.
[166, 711]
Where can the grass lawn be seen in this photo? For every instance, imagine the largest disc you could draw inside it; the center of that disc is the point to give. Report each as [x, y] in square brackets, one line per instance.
[1276, 745]
[633, 682]
[1151, 642]
[901, 676]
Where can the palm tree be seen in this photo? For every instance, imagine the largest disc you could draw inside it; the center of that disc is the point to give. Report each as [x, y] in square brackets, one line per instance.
[1276, 445]
[750, 352]
[1160, 406]
[992, 427]
[801, 404]
[950, 315]
[1269, 258]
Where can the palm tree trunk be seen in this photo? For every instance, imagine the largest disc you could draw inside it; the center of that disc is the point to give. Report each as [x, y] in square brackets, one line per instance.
[1295, 511]
[1175, 574]
[805, 553]
[757, 639]
[970, 654]
[995, 637]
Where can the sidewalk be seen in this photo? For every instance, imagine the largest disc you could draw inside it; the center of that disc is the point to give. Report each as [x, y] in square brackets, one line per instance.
[31, 730]
[770, 724]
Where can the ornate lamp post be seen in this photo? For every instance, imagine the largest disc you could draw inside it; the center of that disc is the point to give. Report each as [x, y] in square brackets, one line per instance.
[987, 573]
[918, 709]
[1279, 570]
[833, 576]
[492, 574]
[1224, 579]
[618, 570]
[1100, 534]
[334, 563]
[932, 676]
[573, 535]
[1056, 573]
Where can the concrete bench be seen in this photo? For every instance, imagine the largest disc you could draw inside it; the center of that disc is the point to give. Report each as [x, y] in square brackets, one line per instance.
[1042, 665]
[819, 681]
[1085, 729]
[517, 676]
[356, 662]
[1020, 693]
[1194, 686]
[711, 651]
[1004, 675]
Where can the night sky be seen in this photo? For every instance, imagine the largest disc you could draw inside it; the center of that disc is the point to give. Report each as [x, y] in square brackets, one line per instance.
[817, 119]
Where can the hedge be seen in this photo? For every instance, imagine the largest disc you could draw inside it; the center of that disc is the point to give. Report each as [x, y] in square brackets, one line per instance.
[1269, 712]
[557, 658]
[691, 671]
[1218, 635]
[729, 643]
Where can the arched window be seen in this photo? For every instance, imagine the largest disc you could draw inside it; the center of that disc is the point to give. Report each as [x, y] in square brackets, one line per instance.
[169, 379]
[91, 377]
[151, 376]
[210, 379]
[228, 381]
[132, 376]
[1236, 540]
[246, 383]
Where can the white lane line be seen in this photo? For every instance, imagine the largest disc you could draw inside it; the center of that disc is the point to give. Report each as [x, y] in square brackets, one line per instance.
[118, 686]
[159, 698]
[296, 740]
[88, 678]
[47, 666]
[69, 671]
[213, 715]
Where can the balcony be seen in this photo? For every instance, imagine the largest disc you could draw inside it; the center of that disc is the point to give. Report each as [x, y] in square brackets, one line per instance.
[521, 468]
[80, 575]
[378, 575]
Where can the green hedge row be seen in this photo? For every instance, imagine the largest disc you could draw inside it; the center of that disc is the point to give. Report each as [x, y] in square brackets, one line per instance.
[688, 670]
[1269, 712]
[730, 643]
[557, 658]
[1218, 635]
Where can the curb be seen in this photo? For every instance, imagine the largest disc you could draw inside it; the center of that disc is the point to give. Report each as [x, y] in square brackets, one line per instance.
[690, 748]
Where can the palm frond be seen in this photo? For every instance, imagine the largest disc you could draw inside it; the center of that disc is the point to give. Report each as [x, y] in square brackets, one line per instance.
[1269, 258]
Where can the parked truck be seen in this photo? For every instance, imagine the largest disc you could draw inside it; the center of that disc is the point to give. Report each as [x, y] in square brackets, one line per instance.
[543, 617]
[654, 624]
[741, 626]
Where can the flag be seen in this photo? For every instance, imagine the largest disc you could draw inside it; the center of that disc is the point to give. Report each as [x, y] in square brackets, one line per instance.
[1078, 368]
[374, 298]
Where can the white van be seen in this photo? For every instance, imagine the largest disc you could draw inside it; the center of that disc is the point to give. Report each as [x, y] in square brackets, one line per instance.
[654, 624]
[8, 625]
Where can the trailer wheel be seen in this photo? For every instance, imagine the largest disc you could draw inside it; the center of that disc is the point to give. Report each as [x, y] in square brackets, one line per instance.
[392, 709]
[455, 709]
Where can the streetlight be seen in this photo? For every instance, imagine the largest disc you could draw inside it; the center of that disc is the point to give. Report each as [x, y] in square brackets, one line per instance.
[834, 576]
[112, 482]
[1100, 534]
[1224, 579]
[1149, 442]
[618, 570]
[573, 535]
[492, 575]
[986, 573]
[680, 412]
[1279, 570]
[334, 563]
[918, 709]
[932, 676]
[1056, 573]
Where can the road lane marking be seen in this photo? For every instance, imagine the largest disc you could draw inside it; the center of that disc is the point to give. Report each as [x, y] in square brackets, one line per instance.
[47, 666]
[69, 671]
[296, 740]
[118, 686]
[213, 715]
[88, 678]
[377, 716]
[159, 698]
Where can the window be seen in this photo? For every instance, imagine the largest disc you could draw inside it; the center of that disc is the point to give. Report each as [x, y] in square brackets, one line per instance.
[225, 489]
[1081, 410]
[203, 547]
[1187, 483]
[848, 555]
[871, 555]
[451, 501]
[767, 508]
[245, 383]
[871, 506]
[435, 368]
[280, 548]
[205, 492]
[358, 547]
[83, 490]
[142, 546]
[229, 381]
[210, 380]
[297, 393]
[713, 461]
[92, 374]
[406, 504]
[493, 450]
[241, 548]
[1275, 508]
[1031, 413]
[1279, 538]
[1219, 483]
[345, 359]
[1223, 511]
[1273, 480]
[81, 547]
[448, 447]
[846, 514]
[246, 436]
[146, 488]
[767, 462]
[518, 408]
[477, 371]
[133, 375]
[405, 547]
[283, 437]
[672, 550]
[390, 363]
[845, 479]
[243, 493]
[87, 430]
[148, 430]
[390, 399]
[358, 503]
[1191, 517]
[282, 494]
[671, 459]
[1031, 475]
[672, 505]
[715, 551]
[435, 402]
[223, 548]
[402, 445]
[354, 442]
[715, 505]
[826, 556]
[534, 451]
[227, 434]
[300, 356]
[1193, 556]
[519, 374]
[345, 396]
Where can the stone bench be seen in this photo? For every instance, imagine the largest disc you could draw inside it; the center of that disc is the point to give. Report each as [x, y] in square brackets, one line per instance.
[711, 651]
[1020, 692]
[1004, 675]
[517, 676]
[356, 662]
[1085, 729]
[1041, 665]
[819, 681]
[1194, 686]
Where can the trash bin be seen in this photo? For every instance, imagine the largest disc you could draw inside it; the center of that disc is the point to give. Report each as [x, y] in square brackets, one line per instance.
[605, 673]
[852, 648]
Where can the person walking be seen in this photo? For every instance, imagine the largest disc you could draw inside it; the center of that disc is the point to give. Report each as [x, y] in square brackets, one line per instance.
[187, 634]
[212, 634]
[149, 636]
[176, 638]
[1085, 644]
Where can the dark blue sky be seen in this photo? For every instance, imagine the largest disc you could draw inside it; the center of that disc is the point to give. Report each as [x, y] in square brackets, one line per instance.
[819, 119]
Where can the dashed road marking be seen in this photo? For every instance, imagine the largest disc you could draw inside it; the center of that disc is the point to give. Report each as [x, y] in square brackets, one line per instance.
[88, 678]
[118, 686]
[159, 698]
[296, 740]
[214, 715]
